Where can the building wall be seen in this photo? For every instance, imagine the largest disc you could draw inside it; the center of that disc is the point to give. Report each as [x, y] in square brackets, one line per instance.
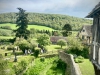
[86, 39]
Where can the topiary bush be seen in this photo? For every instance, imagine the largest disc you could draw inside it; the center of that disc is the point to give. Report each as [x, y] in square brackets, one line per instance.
[36, 53]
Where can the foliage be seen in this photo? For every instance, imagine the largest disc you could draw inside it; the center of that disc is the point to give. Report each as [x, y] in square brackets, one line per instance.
[79, 59]
[61, 42]
[54, 21]
[4, 66]
[74, 43]
[39, 66]
[6, 27]
[43, 40]
[85, 52]
[4, 32]
[76, 47]
[66, 29]
[33, 44]
[36, 52]
[10, 47]
[20, 67]
[58, 68]
[23, 44]
[42, 59]
[22, 23]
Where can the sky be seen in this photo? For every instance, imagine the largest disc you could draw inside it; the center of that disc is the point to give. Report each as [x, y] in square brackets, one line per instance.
[77, 8]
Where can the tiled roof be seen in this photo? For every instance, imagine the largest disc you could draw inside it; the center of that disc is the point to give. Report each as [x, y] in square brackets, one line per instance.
[88, 29]
[54, 39]
[95, 10]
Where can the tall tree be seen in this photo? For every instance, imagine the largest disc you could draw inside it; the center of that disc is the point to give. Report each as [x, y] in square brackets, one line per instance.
[66, 29]
[22, 24]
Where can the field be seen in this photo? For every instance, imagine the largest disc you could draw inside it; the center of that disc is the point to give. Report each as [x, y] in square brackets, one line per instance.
[13, 26]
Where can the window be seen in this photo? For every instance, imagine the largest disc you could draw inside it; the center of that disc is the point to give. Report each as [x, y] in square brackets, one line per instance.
[83, 30]
[82, 37]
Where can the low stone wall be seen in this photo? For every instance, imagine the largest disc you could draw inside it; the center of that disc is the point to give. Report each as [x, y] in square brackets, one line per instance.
[72, 67]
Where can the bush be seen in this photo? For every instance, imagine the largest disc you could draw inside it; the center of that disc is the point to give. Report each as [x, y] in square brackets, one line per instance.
[36, 53]
[6, 27]
[42, 59]
[61, 64]
[84, 52]
[23, 44]
[75, 50]
[20, 67]
[10, 47]
[79, 59]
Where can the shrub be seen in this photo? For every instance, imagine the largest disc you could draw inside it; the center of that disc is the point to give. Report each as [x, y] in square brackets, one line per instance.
[36, 53]
[61, 64]
[75, 47]
[85, 52]
[75, 50]
[23, 44]
[42, 59]
[20, 67]
[6, 27]
[10, 47]
[79, 59]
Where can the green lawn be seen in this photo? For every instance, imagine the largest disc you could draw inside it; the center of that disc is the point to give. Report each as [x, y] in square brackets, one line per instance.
[6, 37]
[38, 27]
[86, 67]
[54, 47]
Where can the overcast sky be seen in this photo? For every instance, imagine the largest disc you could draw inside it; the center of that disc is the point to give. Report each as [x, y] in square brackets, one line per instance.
[78, 8]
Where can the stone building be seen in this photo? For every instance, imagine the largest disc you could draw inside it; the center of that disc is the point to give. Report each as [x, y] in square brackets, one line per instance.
[85, 34]
[95, 46]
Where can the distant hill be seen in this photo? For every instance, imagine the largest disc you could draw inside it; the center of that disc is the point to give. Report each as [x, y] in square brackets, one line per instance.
[55, 21]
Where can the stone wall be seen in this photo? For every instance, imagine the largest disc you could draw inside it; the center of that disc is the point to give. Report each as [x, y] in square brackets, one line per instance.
[72, 67]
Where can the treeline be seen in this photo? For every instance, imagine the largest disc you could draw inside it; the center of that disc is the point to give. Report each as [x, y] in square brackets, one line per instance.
[54, 21]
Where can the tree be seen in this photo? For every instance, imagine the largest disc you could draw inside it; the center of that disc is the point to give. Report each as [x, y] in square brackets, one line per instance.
[25, 44]
[43, 40]
[22, 24]
[66, 29]
[75, 46]
[61, 42]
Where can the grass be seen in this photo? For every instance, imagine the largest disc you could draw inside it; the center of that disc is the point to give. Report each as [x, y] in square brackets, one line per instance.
[5, 51]
[54, 47]
[6, 37]
[86, 67]
[13, 26]
[38, 27]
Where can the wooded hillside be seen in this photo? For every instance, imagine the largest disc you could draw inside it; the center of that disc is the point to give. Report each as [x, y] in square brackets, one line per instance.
[55, 21]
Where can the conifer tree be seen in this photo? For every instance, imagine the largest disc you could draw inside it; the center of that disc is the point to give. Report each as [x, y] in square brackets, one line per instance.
[22, 24]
